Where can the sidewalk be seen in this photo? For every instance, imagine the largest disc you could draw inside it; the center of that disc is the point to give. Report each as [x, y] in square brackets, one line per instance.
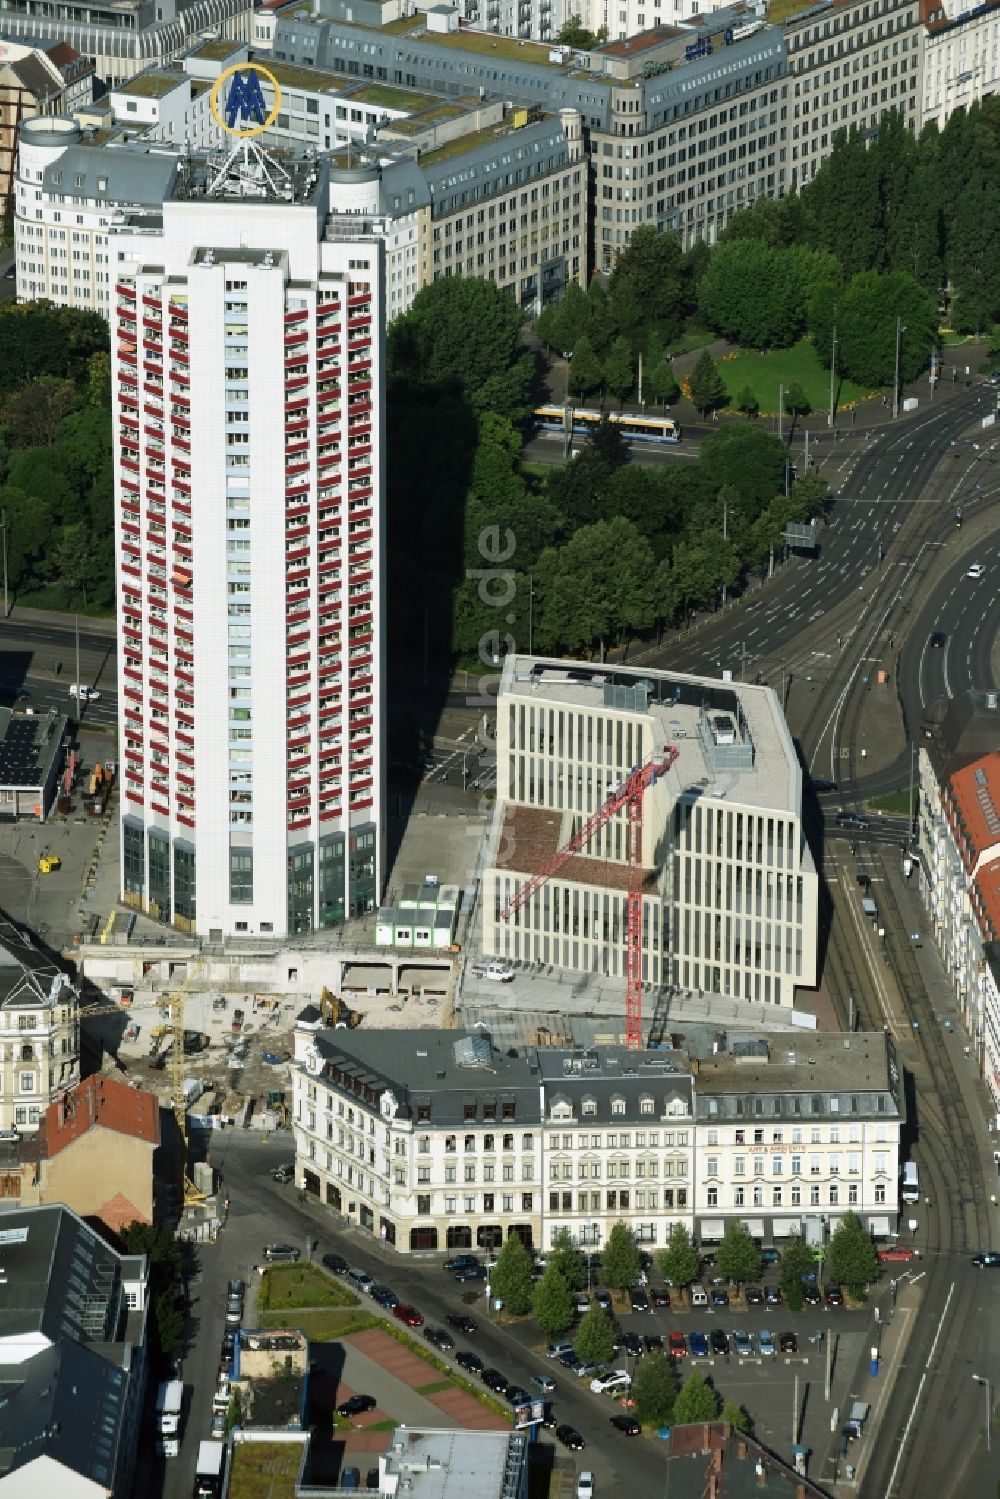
[898, 1313]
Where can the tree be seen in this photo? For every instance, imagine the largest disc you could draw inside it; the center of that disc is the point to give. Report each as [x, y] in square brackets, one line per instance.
[654, 1389]
[705, 383]
[621, 1259]
[747, 297]
[646, 289]
[585, 371]
[697, 1401]
[796, 1261]
[619, 375]
[464, 334]
[571, 320]
[679, 1261]
[73, 560]
[595, 1337]
[852, 1259]
[32, 414]
[573, 33]
[747, 402]
[797, 403]
[662, 383]
[567, 1259]
[866, 317]
[735, 1416]
[168, 1265]
[553, 1302]
[738, 1257]
[511, 1280]
[749, 459]
[599, 586]
[809, 493]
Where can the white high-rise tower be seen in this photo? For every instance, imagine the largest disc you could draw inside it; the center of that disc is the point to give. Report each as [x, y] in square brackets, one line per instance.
[248, 339]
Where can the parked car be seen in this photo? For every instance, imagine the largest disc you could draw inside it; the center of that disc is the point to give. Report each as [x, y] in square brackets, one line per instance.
[472, 1272]
[284, 1173]
[218, 1424]
[677, 1345]
[834, 1296]
[571, 1360]
[361, 1279]
[461, 1262]
[742, 1343]
[719, 1340]
[659, 1296]
[408, 1314]
[582, 1303]
[617, 1379]
[652, 1342]
[988, 1259]
[754, 1296]
[603, 1299]
[350, 1478]
[765, 1342]
[569, 1437]
[638, 1300]
[720, 1297]
[788, 1343]
[898, 1252]
[439, 1339]
[585, 1486]
[518, 1395]
[469, 1361]
[356, 1405]
[495, 1381]
[461, 1323]
[274, 1253]
[627, 1425]
[543, 1382]
[699, 1345]
[556, 1350]
[773, 1296]
[383, 1296]
[811, 1295]
[633, 1345]
[770, 1256]
[335, 1263]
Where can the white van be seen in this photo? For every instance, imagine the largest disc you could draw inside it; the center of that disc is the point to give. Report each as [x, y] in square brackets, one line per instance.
[85, 694]
[699, 1296]
[911, 1183]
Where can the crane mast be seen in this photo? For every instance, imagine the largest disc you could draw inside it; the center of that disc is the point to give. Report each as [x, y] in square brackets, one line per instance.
[629, 795]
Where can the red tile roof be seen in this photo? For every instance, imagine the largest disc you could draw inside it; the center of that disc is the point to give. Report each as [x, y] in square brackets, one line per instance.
[975, 807]
[104, 1101]
[986, 900]
[118, 1212]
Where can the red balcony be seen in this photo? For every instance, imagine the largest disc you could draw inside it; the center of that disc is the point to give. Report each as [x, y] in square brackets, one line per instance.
[297, 382]
[148, 301]
[295, 339]
[125, 291]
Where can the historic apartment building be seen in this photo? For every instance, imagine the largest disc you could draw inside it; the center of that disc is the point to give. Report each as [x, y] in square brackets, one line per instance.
[961, 55]
[729, 885]
[440, 1140]
[39, 1031]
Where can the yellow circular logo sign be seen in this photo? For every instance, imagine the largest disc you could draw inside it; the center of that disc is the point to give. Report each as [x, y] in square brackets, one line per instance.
[244, 113]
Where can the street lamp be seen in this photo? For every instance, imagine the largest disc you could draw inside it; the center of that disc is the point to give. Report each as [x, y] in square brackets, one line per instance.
[900, 330]
[980, 1379]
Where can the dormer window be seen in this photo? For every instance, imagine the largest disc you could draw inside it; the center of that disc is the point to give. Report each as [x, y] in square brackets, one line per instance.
[617, 1106]
[589, 1109]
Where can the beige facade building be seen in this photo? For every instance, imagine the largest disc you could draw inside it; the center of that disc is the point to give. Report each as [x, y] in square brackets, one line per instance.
[961, 59]
[39, 1031]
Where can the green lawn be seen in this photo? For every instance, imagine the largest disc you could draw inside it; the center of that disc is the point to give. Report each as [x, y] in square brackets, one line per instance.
[285, 1288]
[765, 373]
[894, 802]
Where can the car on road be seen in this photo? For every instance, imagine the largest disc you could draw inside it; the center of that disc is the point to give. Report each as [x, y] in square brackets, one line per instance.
[543, 1382]
[652, 1342]
[742, 1343]
[938, 640]
[765, 1342]
[773, 1296]
[698, 1342]
[569, 1437]
[976, 570]
[585, 1486]
[719, 1340]
[556, 1350]
[356, 1405]
[788, 1343]
[228, 1343]
[469, 1361]
[274, 1253]
[638, 1300]
[440, 1339]
[495, 1381]
[754, 1296]
[472, 1272]
[407, 1314]
[617, 1379]
[335, 1263]
[811, 1295]
[383, 1296]
[659, 1296]
[517, 1395]
[677, 1345]
[84, 694]
[627, 1425]
[896, 1252]
[987, 1260]
[720, 1297]
[847, 819]
[461, 1262]
[219, 1425]
[823, 785]
[461, 1323]
[285, 1173]
[834, 1296]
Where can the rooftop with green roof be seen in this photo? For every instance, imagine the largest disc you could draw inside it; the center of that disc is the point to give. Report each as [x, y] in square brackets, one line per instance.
[150, 85]
[215, 50]
[264, 1470]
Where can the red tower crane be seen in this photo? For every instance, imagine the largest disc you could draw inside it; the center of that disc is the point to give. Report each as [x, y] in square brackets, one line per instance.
[628, 794]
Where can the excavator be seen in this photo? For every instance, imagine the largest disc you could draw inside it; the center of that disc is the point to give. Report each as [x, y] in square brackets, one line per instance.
[336, 1012]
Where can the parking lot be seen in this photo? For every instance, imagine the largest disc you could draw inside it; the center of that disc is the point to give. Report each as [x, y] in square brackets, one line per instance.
[766, 1384]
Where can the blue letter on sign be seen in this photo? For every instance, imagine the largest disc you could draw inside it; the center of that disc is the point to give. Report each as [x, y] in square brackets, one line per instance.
[246, 100]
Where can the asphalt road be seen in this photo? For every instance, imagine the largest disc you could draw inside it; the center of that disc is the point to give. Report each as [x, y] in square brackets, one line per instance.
[40, 659]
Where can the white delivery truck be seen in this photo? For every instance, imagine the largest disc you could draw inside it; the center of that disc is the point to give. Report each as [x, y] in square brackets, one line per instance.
[208, 1474]
[169, 1400]
[910, 1191]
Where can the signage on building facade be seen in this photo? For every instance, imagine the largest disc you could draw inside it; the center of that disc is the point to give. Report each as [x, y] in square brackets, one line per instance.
[245, 112]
